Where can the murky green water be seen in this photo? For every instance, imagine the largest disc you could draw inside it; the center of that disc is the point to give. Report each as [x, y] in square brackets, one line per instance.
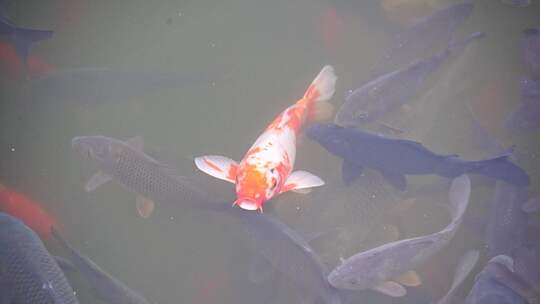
[257, 58]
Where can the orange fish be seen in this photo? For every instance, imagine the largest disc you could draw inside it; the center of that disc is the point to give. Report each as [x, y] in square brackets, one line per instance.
[27, 210]
[14, 67]
[266, 169]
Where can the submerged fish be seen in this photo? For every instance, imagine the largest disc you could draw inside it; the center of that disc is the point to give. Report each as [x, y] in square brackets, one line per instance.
[288, 253]
[360, 208]
[28, 273]
[423, 35]
[266, 169]
[504, 274]
[531, 51]
[390, 91]
[22, 38]
[100, 85]
[28, 210]
[106, 287]
[487, 290]
[465, 266]
[377, 268]
[14, 67]
[126, 163]
[395, 158]
[506, 221]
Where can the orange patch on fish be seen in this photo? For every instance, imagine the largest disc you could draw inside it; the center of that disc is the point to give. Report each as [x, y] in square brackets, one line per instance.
[28, 210]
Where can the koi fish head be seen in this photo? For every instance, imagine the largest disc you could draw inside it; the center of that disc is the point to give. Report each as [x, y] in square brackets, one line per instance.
[255, 185]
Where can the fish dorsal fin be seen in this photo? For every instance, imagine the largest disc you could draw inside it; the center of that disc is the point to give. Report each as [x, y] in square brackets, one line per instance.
[96, 180]
[301, 180]
[390, 288]
[145, 207]
[136, 142]
[218, 166]
[410, 279]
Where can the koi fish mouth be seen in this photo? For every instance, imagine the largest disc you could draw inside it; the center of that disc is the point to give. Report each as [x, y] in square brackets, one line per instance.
[247, 204]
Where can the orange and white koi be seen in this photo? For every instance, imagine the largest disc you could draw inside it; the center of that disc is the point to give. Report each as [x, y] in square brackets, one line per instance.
[266, 169]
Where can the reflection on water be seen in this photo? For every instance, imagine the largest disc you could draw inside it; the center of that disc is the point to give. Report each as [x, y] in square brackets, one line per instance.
[216, 73]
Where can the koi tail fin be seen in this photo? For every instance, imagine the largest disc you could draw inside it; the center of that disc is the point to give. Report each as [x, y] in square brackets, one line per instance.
[319, 92]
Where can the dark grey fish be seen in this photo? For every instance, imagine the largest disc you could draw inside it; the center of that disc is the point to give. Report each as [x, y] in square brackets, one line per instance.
[504, 274]
[423, 35]
[378, 267]
[361, 208]
[487, 290]
[106, 287]
[28, 273]
[395, 158]
[531, 51]
[152, 181]
[390, 91]
[288, 253]
[22, 38]
[507, 223]
[101, 85]
[465, 266]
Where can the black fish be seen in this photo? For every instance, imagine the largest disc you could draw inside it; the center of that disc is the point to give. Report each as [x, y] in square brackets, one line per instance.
[488, 290]
[288, 253]
[28, 273]
[395, 158]
[106, 287]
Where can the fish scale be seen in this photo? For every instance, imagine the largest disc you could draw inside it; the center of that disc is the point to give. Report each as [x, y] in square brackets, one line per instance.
[149, 179]
[30, 272]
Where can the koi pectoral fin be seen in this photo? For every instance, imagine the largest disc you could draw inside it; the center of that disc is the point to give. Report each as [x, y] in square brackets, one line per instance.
[217, 166]
[300, 181]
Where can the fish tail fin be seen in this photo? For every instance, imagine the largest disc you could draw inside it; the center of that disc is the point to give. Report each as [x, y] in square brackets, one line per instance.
[500, 168]
[319, 93]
